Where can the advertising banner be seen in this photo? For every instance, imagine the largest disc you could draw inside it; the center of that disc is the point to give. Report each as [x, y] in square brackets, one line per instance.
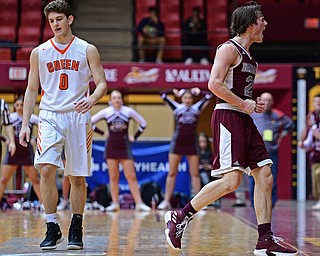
[134, 76]
[151, 165]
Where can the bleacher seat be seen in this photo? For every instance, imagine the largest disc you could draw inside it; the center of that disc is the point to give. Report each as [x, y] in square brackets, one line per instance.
[31, 18]
[46, 33]
[217, 23]
[35, 5]
[29, 35]
[24, 53]
[9, 5]
[8, 18]
[8, 33]
[170, 16]
[5, 54]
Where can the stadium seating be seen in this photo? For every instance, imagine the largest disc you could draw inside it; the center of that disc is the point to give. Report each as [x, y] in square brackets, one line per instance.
[170, 16]
[9, 5]
[29, 35]
[8, 18]
[23, 54]
[31, 18]
[5, 54]
[217, 22]
[35, 5]
[46, 33]
[8, 33]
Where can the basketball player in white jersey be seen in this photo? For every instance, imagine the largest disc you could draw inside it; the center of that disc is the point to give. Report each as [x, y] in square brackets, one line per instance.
[63, 67]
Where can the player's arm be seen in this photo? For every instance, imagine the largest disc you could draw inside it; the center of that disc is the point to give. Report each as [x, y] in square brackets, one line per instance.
[226, 57]
[30, 97]
[99, 79]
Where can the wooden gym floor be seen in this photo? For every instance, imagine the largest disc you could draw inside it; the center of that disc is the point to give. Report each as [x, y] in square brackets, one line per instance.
[231, 231]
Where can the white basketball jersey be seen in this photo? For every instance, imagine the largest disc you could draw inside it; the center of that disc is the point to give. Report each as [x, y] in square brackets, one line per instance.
[64, 74]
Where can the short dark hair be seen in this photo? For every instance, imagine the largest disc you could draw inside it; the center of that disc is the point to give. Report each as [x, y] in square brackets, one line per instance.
[243, 17]
[58, 6]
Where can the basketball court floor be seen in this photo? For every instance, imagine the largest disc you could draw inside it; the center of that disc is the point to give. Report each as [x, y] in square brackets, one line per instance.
[229, 231]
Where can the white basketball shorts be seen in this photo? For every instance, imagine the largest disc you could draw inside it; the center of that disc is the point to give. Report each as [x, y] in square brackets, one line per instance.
[71, 131]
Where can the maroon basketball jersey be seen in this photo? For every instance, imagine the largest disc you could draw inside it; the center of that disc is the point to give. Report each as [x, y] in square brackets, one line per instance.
[240, 78]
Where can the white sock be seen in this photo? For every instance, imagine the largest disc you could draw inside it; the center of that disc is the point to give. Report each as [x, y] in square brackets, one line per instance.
[52, 217]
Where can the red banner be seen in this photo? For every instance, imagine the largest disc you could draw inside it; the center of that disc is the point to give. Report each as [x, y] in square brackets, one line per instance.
[135, 76]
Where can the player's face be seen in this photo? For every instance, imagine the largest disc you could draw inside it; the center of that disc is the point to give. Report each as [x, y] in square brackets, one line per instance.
[116, 99]
[259, 28]
[18, 105]
[60, 23]
[187, 99]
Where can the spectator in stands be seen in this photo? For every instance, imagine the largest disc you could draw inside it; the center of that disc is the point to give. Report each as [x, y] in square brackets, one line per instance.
[151, 33]
[195, 34]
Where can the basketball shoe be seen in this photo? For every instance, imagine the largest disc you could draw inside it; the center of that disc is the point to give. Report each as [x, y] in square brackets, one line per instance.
[269, 245]
[53, 237]
[75, 233]
[176, 224]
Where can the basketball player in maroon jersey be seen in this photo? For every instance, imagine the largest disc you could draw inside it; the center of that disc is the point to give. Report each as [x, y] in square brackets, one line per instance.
[238, 146]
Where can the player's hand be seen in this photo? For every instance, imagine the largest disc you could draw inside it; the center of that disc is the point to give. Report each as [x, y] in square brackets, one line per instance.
[131, 138]
[84, 105]
[249, 106]
[260, 106]
[24, 136]
[12, 148]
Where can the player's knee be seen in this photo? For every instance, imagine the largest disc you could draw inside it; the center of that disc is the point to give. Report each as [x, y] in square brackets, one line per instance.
[77, 181]
[47, 174]
[265, 177]
[231, 184]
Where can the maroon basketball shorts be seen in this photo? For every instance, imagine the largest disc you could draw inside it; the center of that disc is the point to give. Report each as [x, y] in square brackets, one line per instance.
[237, 143]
